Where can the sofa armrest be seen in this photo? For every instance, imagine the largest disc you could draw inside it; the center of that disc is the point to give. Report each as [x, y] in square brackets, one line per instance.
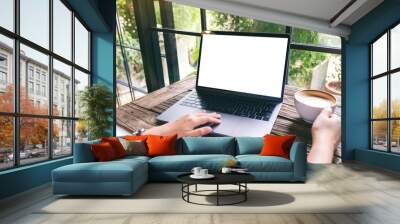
[298, 155]
[83, 152]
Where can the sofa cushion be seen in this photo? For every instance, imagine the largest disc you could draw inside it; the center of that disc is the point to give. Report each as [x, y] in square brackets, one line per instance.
[207, 145]
[158, 145]
[116, 145]
[185, 163]
[113, 171]
[277, 145]
[249, 145]
[134, 147]
[103, 152]
[257, 163]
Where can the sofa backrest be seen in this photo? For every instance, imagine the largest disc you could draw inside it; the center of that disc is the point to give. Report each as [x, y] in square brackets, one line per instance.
[83, 152]
[249, 145]
[206, 145]
[190, 146]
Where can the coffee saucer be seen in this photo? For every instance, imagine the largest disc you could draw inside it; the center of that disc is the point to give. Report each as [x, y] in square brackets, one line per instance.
[200, 177]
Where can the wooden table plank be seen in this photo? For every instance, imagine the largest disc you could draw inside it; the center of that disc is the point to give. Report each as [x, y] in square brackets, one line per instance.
[142, 112]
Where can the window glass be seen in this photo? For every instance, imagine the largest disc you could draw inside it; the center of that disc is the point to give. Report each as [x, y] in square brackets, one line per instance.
[34, 21]
[379, 98]
[395, 136]
[62, 138]
[188, 48]
[62, 89]
[379, 56]
[395, 47]
[135, 66]
[6, 74]
[62, 29]
[7, 14]
[81, 82]
[6, 142]
[186, 17]
[379, 135]
[227, 22]
[315, 70]
[395, 95]
[303, 36]
[158, 13]
[39, 62]
[33, 140]
[164, 56]
[81, 45]
[81, 131]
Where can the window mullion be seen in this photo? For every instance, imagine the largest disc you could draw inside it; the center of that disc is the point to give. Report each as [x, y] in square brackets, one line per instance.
[203, 18]
[50, 81]
[73, 82]
[389, 101]
[16, 85]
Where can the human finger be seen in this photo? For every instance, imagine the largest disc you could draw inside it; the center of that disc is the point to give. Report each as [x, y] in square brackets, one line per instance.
[199, 131]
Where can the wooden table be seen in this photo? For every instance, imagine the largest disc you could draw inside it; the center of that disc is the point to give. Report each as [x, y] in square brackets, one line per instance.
[142, 112]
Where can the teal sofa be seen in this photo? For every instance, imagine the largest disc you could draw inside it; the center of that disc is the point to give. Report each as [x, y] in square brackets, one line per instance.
[125, 176]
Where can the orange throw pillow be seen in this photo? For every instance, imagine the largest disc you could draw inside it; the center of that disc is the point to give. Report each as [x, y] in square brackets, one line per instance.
[135, 137]
[161, 145]
[103, 152]
[116, 145]
[277, 145]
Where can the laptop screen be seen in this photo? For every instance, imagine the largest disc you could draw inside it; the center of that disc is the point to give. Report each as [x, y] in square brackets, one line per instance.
[244, 64]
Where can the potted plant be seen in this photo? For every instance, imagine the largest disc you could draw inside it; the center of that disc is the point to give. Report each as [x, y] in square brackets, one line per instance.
[96, 103]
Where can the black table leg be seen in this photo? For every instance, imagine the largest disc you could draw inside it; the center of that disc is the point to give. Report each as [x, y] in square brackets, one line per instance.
[217, 194]
[196, 187]
[245, 193]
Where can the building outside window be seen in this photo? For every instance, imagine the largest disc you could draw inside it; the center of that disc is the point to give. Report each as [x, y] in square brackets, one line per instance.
[30, 87]
[3, 72]
[385, 97]
[30, 72]
[56, 127]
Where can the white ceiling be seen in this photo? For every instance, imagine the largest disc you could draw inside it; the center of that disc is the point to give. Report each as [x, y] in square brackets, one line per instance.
[320, 9]
[310, 14]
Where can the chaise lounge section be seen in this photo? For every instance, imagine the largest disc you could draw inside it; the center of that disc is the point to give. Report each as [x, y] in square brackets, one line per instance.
[125, 176]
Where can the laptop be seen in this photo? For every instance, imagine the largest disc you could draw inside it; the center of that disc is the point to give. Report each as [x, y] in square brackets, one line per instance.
[242, 77]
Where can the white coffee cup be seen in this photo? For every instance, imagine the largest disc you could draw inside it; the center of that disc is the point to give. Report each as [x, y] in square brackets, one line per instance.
[226, 170]
[203, 172]
[196, 171]
[310, 103]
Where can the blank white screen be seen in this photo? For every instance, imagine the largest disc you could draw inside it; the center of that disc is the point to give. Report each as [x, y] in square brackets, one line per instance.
[246, 64]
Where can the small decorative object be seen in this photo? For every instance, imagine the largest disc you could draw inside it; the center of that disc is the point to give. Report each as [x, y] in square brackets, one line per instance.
[226, 170]
[200, 173]
[96, 103]
[231, 163]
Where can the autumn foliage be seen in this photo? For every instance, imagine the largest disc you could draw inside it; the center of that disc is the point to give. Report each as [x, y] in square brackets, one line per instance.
[33, 131]
[380, 127]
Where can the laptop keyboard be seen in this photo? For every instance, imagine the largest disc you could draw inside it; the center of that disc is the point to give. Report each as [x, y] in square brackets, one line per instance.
[254, 110]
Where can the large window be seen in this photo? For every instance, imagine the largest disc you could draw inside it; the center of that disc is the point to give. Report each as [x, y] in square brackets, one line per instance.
[40, 80]
[131, 83]
[385, 96]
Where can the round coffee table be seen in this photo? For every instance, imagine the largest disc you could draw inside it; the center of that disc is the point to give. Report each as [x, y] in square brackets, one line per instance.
[238, 179]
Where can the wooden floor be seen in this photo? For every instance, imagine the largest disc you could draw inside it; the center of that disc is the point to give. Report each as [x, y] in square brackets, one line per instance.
[379, 189]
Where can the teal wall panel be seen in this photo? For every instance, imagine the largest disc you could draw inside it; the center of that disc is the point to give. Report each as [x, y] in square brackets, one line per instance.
[356, 83]
[24, 178]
